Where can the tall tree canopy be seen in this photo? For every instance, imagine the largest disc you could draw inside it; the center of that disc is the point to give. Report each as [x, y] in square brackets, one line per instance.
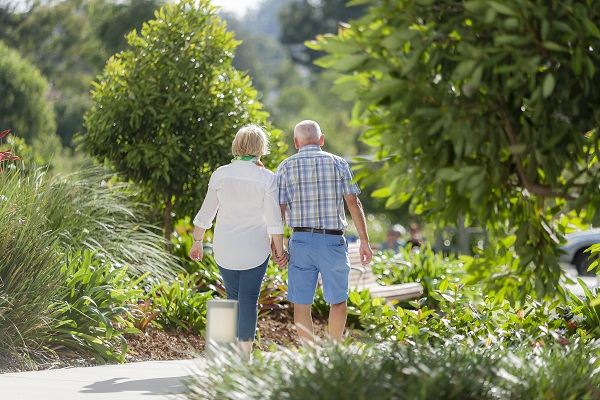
[482, 108]
[24, 107]
[167, 108]
[302, 20]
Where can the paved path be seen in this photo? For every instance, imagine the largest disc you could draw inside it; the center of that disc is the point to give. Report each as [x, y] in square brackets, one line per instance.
[143, 380]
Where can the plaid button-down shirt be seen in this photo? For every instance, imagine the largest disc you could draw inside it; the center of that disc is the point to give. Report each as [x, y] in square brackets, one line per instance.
[312, 183]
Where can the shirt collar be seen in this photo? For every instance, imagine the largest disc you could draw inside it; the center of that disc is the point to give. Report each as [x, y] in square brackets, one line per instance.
[309, 147]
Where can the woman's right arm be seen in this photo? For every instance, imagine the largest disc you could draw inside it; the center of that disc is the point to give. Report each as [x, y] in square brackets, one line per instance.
[203, 221]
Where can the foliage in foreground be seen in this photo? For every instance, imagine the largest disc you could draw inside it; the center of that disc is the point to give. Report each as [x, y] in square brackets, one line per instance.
[398, 371]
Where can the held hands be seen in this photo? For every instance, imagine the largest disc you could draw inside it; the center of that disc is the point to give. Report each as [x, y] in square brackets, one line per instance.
[281, 258]
[197, 251]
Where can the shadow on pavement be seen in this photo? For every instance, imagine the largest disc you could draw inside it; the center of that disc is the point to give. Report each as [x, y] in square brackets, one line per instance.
[151, 386]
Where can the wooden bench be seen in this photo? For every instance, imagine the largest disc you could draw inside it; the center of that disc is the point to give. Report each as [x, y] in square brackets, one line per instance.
[362, 278]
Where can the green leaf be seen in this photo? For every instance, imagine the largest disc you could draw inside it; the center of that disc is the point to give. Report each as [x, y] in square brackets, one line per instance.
[355, 298]
[398, 38]
[463, 69]
[349, 63]
[502, 8]
[450, 174]
[412, 61]
[554, 46]
[591, 27]
[476, 6]
[381, 193]
[577, 61]
[516, 40]
[548, 85]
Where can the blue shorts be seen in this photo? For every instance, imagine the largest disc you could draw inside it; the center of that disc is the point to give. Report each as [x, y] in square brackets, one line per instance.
[314, 253]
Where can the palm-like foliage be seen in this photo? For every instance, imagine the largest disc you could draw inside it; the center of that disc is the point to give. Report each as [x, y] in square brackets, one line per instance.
[44, 218]
[93, 211]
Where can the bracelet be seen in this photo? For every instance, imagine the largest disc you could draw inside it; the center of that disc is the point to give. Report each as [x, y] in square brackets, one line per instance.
[197, 240]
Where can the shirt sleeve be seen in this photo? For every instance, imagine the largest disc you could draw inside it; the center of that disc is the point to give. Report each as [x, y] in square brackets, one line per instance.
[208, 211]
[272, 209]
[281, 184]
[348, 186]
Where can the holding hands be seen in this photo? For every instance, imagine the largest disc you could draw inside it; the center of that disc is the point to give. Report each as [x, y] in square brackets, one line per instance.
[280, 256]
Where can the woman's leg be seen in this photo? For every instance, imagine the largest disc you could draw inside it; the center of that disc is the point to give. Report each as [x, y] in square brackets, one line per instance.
[249, 291]
[231, 279]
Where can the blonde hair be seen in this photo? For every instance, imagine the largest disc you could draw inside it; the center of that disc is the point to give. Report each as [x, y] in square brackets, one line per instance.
[250, 140]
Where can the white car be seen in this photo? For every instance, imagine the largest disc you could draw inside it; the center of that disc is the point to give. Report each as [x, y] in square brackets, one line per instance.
[575, 248]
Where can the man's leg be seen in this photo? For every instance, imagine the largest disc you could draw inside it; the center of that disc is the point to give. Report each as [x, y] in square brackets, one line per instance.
[304, 323]
[337, 321]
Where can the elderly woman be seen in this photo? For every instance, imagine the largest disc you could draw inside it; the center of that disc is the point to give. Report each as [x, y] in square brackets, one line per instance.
[245, 195]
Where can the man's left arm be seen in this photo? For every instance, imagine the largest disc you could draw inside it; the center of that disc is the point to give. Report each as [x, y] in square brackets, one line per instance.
[358, 217]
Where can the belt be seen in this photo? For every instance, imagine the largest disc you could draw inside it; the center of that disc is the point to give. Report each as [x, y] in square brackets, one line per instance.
[321, 231]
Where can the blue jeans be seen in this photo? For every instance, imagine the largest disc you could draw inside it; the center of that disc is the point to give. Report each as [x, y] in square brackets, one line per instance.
[244, 286]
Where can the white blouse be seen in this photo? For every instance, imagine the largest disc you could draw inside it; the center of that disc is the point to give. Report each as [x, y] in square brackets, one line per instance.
[246, 199]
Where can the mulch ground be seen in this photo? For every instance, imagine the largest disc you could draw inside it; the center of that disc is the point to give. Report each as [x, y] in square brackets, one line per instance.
[277, 328]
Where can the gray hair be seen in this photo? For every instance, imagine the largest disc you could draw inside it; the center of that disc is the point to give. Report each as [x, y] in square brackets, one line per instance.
[250, 140]
[308, 131]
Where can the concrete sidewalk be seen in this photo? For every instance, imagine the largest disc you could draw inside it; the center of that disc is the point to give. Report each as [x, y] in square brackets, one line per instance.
[143, 380]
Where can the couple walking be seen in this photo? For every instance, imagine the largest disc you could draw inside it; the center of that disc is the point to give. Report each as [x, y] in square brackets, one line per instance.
[308, 191]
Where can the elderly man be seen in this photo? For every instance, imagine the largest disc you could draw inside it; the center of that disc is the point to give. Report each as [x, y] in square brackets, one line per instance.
[313, 185]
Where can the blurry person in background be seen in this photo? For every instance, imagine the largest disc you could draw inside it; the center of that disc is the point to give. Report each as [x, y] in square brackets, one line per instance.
[415, 239]
[394, 239]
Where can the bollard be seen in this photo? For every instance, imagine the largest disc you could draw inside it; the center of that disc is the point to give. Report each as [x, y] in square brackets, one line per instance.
[221, 326]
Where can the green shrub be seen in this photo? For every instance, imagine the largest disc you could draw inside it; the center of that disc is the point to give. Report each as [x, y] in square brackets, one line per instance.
[30, 272]
[93, 309]
[183, 306]
[586, 311]
[396, 371]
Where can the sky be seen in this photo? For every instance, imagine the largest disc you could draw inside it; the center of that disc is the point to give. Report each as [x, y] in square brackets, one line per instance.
[237, 6]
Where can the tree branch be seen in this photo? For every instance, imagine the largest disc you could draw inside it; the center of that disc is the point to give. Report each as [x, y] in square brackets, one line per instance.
[540, 190]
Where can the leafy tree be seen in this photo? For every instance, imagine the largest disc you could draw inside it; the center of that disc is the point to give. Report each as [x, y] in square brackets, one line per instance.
[24, 107]
[482, 108]
[302, 20]
[112, 20]
[166, 109]
[57, 38]
[298, 102]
